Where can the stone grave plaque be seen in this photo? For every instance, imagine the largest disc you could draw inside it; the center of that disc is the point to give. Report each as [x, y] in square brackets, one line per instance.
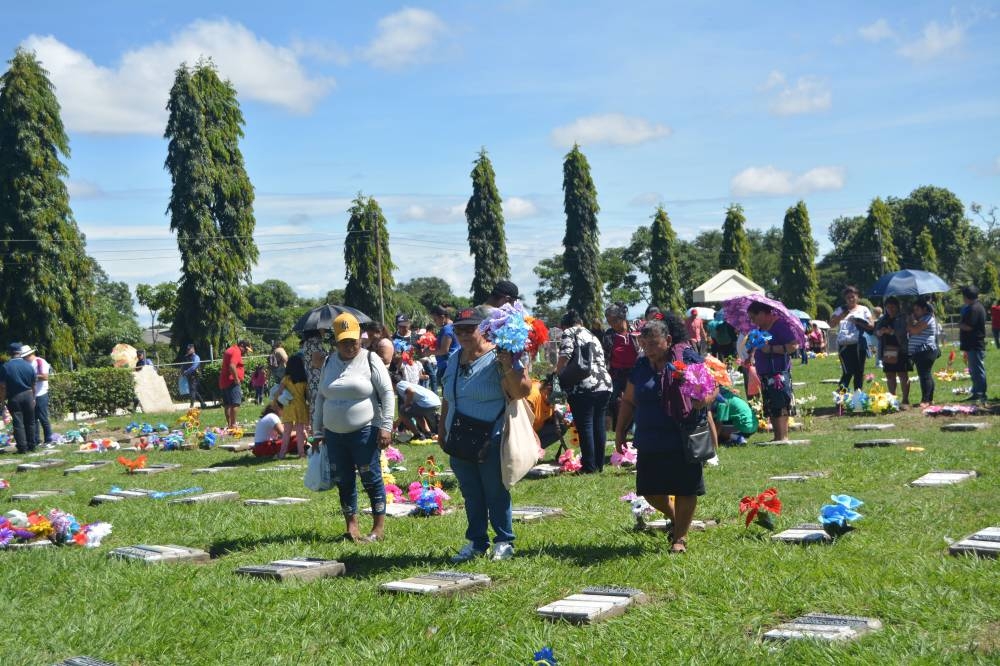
[798, 476]
[4, 463]
[664, 525]
[283, 468]
[237, 447]
[301, 568]
[438, 582]
[205, 498]
[156, 468]
[39, 494]
[829, 381]
[984, 543]
[120, 495]
[159, 554]
[543, 470]
[964, 427]
[804, 534]
[798, 384]
[875, 443]
[943, 478]
[821, 626]
[592, 605]
[41, 454]
[41, 464]
[86, 467]
[784, 442]
[532, 513]
[41, 543]
[83, 661]
[873, 426]
[277, 501]
[215, 470]
[395, 509]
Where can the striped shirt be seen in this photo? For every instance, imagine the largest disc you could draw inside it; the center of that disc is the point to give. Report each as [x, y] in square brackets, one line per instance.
[474, 389]
[925, 338]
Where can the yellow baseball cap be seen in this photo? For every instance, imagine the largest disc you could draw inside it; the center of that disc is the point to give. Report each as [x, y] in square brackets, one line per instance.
[346, 327]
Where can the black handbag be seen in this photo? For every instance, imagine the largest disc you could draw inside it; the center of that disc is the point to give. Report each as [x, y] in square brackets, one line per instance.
[468, 438]
[698, 445]
[579, 366]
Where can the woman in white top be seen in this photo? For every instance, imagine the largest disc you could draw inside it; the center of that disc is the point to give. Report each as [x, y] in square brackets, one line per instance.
[853, 321]
[588, 398]
[354, 409]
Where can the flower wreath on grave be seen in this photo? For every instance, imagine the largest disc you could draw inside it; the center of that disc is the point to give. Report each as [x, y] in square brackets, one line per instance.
[191, 420]
[387, 476]
[950, 410]
[571, 461]
[763, 507]
[132, 465]
[627, 458]
[641, 509]
[57, 526]
[428, 493]
[100, 445]
[4, 484]
[836, 517]
[876, 401]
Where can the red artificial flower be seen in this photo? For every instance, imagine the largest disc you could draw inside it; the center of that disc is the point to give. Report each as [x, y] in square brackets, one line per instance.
[951, 357]
[766, 501]
[132, 465]
[679, 368]
[538, 334]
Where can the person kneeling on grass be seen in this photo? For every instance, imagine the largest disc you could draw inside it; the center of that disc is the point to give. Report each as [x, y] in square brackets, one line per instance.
[734, 418]
[267, 436]
[418, 409]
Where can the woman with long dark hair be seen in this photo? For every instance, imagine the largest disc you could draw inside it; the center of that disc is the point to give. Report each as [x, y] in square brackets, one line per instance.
[588, 398]
[923, 348]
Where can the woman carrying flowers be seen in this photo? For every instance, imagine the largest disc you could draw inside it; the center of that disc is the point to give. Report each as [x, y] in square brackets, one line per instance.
[662, 414]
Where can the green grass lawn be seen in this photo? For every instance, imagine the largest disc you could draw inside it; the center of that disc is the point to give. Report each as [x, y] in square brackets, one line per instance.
[710, 606]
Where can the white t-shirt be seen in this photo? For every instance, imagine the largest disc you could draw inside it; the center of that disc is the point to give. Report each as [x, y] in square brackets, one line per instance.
[265, 427]
[42, 367]
[847, 333]
[411, 372]
[348, 399]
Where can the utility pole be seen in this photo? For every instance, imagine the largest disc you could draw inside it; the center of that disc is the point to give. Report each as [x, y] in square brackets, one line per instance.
[378, 256]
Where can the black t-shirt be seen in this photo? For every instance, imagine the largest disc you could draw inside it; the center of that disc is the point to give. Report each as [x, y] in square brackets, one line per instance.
[974, 340]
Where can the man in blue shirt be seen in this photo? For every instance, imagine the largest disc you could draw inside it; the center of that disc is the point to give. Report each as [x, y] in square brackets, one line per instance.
[190, 373]
[17, 386]
[418, 409]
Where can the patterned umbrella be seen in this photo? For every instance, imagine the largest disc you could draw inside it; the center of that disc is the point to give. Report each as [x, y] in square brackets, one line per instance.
[321, 318]
[735, 312]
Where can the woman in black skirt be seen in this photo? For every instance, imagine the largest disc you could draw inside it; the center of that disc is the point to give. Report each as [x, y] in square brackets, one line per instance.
[652, 397]
[892, 343]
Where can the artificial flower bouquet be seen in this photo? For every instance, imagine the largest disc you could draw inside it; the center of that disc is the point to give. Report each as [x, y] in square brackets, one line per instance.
[836, 518]
[59, 527]
[763, 508]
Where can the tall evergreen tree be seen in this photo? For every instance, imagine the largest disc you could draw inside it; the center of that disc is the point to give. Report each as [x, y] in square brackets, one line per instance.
[367, 236]
[664, 280]
[926, 254]
[47, 286]
[582, 256]
[211, 207]
[487, 240]
[735, 252]
[870, 250]
[797, 285]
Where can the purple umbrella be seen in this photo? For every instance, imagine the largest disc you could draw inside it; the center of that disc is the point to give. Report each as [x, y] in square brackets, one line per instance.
[735, 312]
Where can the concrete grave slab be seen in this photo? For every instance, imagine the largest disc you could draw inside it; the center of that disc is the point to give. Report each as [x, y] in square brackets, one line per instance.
[215, 470]
[829, 381]
[41, 454]
[160, 554]
[283, 468]
[237, 447]
[798, 476]
[873, 426]
[156, 468]
[277, 501]
[784, 442]
[83, 661]
[878, 443]
[42, 543]
[527, 514]
[803, 534]
[943, 478]
[820, 626]
[121, 495]
[798, 384]
[964, 427]
[593, 604]
[984, 543]
[86, 467]
[206, 498]
[664, 525]
[395, 509]
[437, 583]
[543, 470]
[4, 463]
[41, 464]
[300, 568]
[39, 494]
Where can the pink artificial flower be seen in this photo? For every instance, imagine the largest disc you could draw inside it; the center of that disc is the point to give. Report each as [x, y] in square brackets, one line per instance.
[699, 383]
[570, 462]
[628, 457]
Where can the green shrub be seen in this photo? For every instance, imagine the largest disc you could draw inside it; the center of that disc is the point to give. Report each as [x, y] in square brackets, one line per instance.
[208, 380]
[97, 390]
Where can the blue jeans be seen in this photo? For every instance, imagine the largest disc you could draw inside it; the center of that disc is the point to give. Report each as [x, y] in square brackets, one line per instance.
[977, 371]
[487, 500]
[589, 410]
[44, 434]
[356, 450]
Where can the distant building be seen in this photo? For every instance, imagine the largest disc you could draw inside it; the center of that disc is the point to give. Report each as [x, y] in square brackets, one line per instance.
[162, 336]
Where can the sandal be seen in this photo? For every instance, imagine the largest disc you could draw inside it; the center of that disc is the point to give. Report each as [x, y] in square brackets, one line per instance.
[679, 545]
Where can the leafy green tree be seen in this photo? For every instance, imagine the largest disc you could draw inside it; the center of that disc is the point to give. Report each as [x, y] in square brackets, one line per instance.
[273, 308]
[161, 301]
[765, 257]
[553, 284]
[990, 280]
[487, 240]
[798, 256]
[431, 291]
[621, 280]
[926, 255]
[46, 279]
[735, 251]
[664, 282]
[697, 261]
[211, 207]
[367, 246]
[939, 211]
[869, 251]
[582, 255]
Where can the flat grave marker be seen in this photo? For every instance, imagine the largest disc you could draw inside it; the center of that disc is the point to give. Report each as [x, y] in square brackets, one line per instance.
[873, 426]
[395, 509]
[984, 543]
[156, 468]
[283, 468]
[806, 533]
[943, 478]
[205, 498]
[798, 384]
[84, 661]
[829, 381]
[276, 501]
[39, 494]
[964, 427]
[41, 464]
[879, 443]
[300, 568]
[527, 514]
[160, 554]
[4, 463]
[238, 447]
[543, 470]
[798, 476]
[824, 627]
[215, 470]
[593, 604]
[121, 495]
[41, 543]
[437, 582]
[664, 525]
[86, 467]
[41, 454]
[784, 442]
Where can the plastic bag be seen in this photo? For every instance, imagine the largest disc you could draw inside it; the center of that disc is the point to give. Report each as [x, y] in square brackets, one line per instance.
[318, 477]
[183, 388]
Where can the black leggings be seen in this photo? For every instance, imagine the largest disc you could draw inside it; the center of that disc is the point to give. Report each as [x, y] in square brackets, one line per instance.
[925, 372]
[852, 363]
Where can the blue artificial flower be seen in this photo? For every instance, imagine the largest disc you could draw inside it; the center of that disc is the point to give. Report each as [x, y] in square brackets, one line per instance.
[837, 514]
[162, 427]
[400, 346]
[146, 429]
[847, 501]
[545, 657]
[757, 339]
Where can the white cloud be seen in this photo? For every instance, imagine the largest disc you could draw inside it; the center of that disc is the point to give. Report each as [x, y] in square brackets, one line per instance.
[610, 128]
[404, 38]
[936, 40]
[808, 95]
[877, 31]
[517, 208]
[768, 180]
[431, 213]
[131, 96]
[321, 50]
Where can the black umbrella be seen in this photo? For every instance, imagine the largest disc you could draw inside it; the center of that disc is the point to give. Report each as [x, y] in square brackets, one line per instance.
[908, 283]
[321, 318]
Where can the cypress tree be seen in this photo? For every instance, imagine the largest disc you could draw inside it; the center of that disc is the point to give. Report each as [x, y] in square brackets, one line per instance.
[47, 282]
[211, 207]
[926, 254]
[797, 288]
[582, 255]
[735, 252]
[487, 240]
[664, 280]
[366, 237]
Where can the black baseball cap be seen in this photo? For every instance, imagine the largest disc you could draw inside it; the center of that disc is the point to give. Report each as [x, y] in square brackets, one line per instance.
[505, 288]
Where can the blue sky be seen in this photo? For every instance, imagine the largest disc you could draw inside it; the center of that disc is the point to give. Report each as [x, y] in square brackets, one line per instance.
[694, 105]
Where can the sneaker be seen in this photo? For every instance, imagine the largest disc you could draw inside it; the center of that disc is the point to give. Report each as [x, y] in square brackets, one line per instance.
[502, 550]
[468, 552]
[713, 461]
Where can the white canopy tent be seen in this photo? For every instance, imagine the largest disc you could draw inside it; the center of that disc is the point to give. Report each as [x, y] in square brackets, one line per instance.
[724, 285]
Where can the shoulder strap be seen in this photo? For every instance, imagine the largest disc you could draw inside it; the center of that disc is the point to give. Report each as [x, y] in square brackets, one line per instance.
[371, 368]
